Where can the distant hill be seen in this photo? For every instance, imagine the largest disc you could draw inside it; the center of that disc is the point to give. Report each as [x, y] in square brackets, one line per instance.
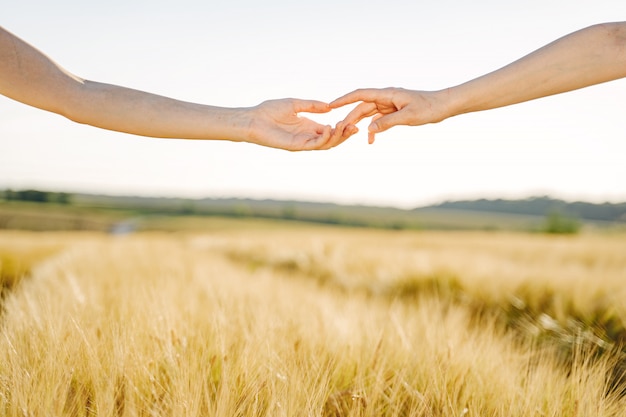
[541, 206]
[41, 210]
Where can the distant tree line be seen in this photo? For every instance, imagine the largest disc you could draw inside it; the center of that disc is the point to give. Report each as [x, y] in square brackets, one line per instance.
[36, 196]
[559, 216]
[541, 206]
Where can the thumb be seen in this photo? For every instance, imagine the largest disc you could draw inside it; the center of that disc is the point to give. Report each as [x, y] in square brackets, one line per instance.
[388, 121]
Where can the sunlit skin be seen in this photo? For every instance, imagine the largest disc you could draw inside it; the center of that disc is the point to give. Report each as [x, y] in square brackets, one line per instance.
[30, 77]
[589, 56]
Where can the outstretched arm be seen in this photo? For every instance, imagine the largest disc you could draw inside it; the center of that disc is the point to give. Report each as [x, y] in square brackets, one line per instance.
[28, 76]
[590, 56]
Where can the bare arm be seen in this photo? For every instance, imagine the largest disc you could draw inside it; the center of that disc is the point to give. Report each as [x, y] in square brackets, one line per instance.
[590, 56]
[28, 76]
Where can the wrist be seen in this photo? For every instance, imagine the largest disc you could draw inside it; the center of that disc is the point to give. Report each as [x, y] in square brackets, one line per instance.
[255, 119]
[238, 122]
[450, 103]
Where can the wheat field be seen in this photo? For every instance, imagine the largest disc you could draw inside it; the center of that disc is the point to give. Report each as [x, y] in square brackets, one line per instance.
[312, 321]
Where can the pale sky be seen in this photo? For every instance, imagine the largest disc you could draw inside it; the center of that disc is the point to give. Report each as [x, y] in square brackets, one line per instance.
[239, 53]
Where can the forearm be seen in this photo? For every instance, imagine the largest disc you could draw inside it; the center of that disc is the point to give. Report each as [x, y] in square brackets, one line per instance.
[137, 112]
[29, 76]
[590, 56]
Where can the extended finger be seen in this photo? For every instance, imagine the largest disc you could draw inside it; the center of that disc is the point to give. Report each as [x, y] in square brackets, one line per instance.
[310, 106]
[362, 94]
[359, 113]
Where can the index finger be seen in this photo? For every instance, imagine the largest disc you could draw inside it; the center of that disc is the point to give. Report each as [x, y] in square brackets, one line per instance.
[360, 112]
[362, 94]
[310, 106]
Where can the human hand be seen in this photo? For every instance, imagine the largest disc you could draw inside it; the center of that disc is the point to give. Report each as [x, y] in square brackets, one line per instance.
[390, 107]
[276, 123]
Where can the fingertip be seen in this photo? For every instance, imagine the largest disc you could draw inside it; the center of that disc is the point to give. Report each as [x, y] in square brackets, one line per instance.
[320, 107]
[335, 103]
[370, 138]
[327, 133]
[345, 99]
[311, 106]
[350, 130]
[339, 101]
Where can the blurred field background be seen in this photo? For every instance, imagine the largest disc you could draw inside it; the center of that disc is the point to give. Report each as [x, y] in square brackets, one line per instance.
[258, 316]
